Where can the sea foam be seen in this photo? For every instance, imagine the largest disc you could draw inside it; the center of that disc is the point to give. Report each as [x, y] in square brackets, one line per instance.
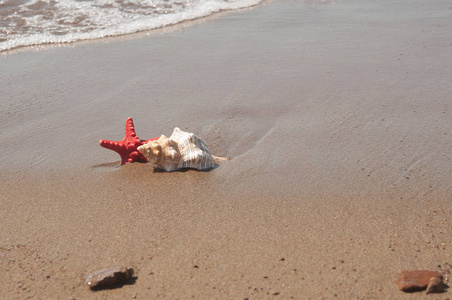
[37, 22]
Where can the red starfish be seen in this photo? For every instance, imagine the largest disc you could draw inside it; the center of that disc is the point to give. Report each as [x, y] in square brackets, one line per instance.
[127, 148]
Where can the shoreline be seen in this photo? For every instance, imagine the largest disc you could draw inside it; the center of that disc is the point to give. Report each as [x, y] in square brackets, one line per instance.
[127, 36]
[337, 123]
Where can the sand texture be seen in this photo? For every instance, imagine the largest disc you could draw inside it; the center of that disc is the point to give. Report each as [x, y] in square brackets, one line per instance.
[338, 122]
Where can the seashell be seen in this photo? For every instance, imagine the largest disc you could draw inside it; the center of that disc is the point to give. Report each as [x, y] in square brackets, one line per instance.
[181, 150]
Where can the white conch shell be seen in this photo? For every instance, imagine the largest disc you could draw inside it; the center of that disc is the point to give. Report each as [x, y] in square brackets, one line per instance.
[181, 150]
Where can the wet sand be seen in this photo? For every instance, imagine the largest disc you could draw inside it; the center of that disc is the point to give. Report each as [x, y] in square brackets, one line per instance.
[337, 120]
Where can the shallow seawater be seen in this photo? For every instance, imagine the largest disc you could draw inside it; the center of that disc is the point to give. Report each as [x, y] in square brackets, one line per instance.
[37, 22]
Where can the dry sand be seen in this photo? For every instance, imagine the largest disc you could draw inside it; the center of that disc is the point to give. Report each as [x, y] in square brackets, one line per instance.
[337, 120]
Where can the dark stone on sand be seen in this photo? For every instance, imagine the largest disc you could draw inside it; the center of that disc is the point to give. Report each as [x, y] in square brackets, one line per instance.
[108, 277]
[412, 281]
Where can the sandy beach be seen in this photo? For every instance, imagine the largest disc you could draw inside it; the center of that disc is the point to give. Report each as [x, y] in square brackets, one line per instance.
[336, 117]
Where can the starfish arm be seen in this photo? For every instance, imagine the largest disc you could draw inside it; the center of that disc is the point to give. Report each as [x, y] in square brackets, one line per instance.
[109, 144]
[130, 128]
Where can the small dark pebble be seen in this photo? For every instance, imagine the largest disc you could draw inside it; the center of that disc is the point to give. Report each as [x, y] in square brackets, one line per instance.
[195, 266]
